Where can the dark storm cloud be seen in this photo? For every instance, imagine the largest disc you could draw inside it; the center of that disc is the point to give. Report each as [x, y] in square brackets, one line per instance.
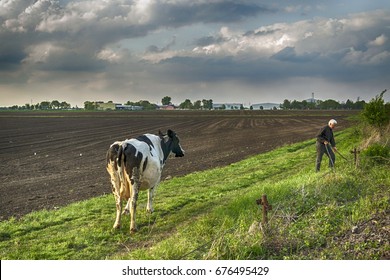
[215, 70]
[289, 54]
[214, 12]
[11, 58]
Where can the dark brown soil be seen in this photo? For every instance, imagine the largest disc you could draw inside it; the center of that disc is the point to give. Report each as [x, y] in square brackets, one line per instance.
[50, 159]
[364, 239]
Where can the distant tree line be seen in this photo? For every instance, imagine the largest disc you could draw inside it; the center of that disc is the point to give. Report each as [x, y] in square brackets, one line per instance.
[90, 105]
[329, 104]
[165, 101]
[206, 104]
[187, 104]
[44, 105]
[146, 105]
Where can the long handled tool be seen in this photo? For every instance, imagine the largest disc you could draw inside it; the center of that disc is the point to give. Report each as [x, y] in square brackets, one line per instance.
[327, 151]
[341, 155]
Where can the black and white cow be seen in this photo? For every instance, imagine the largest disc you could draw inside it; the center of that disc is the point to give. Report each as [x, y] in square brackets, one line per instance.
[136, 164]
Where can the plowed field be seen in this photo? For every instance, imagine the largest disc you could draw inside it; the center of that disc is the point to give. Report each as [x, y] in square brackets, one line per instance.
[50, 159]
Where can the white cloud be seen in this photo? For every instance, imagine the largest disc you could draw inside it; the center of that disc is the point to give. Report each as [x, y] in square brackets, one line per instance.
[379, 41]
[109, 55]
[23, 16]
[141, 12]
[42, 52]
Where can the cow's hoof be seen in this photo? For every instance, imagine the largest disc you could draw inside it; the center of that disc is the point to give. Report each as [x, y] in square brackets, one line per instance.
[126, 212]
[149, 211]
[133, 230]
[116, 226]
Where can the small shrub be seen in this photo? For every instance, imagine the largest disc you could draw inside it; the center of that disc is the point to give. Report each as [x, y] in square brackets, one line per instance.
[378, 153]
[376, 112]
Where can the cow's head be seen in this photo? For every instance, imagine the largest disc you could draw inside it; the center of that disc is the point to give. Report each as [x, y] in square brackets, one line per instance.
[176, 148]
[173, 143]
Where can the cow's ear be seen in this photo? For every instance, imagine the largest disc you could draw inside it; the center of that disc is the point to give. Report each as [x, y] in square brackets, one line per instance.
[160, 134]
[170, 133]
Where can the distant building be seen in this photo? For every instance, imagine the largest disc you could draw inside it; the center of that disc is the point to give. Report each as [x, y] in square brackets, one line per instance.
[167, 107]
[116, 106]
[228, 106]
[128, 107]
[265, 106]
[312, 99]
[106, 106]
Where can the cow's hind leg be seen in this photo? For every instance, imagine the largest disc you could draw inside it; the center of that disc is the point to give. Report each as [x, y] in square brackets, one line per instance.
[149, 207]
[135, 184]
[118, 203]
[115, 182]
[126, 211]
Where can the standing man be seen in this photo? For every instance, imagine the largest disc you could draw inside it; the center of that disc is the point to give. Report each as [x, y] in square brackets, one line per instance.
[324, 138]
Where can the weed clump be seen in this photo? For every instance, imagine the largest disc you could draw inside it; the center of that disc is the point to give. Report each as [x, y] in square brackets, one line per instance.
[377, 154]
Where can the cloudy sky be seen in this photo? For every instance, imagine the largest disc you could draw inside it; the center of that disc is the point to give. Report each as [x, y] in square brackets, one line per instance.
[248, 51]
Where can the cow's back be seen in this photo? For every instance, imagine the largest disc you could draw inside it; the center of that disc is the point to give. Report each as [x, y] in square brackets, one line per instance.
[144, 154]
[156, 143]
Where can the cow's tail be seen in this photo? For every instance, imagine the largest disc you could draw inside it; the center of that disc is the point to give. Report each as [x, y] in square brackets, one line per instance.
[121, 158]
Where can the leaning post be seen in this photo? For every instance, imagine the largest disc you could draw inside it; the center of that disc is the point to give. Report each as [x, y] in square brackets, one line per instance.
[265, 207]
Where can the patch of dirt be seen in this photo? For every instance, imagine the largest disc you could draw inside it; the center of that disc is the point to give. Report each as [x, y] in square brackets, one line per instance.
[365, 238]
[51, 159]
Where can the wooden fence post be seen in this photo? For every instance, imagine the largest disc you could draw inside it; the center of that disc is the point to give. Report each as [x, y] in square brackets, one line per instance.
[266, 207]
[355, 153]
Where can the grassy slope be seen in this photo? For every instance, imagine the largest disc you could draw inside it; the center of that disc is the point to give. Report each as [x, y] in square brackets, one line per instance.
[207, 215]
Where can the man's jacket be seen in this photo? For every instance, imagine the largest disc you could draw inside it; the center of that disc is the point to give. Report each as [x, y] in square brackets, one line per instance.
[326, 134]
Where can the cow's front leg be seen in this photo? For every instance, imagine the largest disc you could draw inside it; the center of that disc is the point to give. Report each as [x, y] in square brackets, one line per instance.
[149, 207]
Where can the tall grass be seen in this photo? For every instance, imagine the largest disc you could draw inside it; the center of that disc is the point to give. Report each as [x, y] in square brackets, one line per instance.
[207, 215]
